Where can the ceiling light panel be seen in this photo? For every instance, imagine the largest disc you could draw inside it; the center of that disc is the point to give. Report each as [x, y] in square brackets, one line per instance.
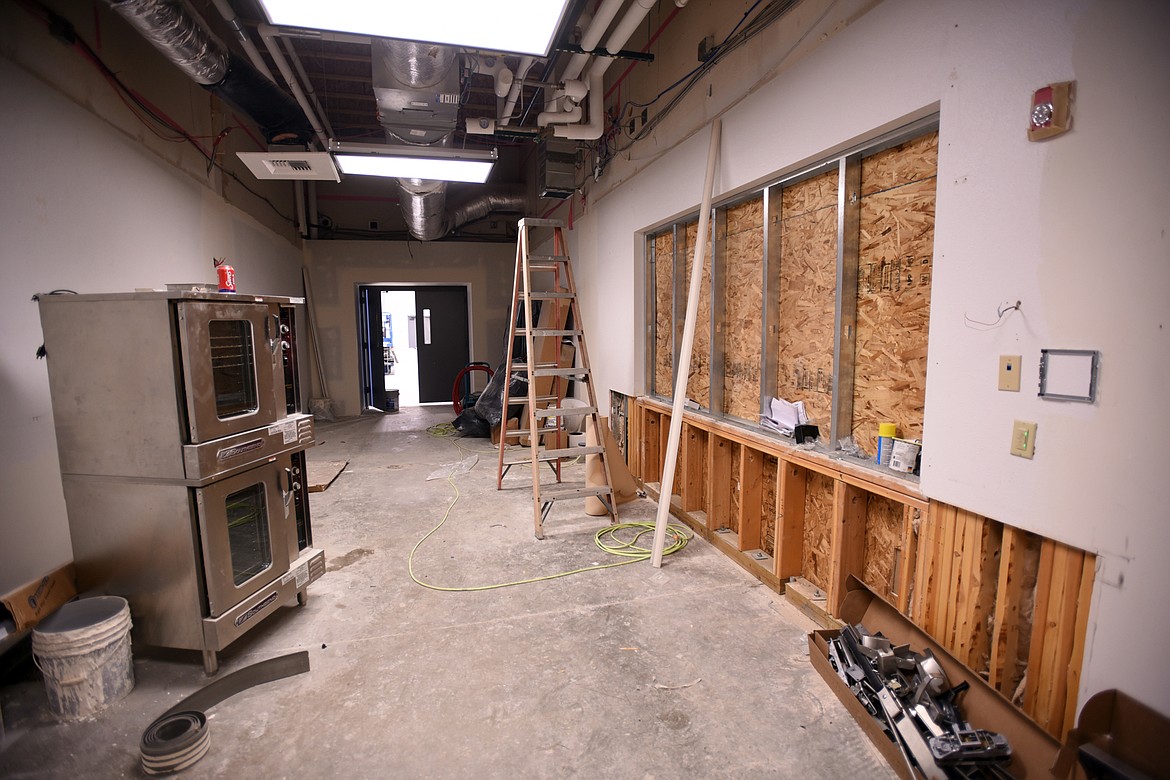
[520, 26]
[407, 162]
[414, 168]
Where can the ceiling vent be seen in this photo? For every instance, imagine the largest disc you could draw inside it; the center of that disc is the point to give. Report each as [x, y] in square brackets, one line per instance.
[288, 166]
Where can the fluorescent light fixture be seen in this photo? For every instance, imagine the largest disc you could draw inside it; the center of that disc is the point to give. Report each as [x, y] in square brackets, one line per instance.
[520, 26]
[409, 162]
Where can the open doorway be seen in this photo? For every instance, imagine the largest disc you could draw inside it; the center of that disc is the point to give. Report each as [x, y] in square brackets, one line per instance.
[414, 341]
[399, 345]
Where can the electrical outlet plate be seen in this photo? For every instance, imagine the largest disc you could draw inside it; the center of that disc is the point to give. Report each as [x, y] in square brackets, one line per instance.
[1009, 373]
[1023, 439]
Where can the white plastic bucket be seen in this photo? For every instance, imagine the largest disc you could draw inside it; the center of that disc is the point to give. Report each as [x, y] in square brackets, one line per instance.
[83, 649]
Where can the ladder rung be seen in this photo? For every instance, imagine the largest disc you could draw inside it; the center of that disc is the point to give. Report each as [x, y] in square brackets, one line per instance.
[550, 493]
[550, 295]
[565, 411]
[561, 372]
[570, 452]
[549, 332]
[548, 258]
[525, 367]
[513, 432]
[555, 454]
[536, 222]
[540, 399]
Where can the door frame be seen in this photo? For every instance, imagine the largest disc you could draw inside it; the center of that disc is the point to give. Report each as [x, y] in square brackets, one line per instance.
[363, 353]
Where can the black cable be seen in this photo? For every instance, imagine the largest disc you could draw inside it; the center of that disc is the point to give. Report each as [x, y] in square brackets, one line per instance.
[606, 151]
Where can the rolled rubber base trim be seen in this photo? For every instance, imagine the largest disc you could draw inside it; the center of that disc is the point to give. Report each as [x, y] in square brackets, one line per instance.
[180, 736]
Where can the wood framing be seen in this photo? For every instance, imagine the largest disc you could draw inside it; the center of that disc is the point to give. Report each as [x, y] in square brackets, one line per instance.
[1009, 604]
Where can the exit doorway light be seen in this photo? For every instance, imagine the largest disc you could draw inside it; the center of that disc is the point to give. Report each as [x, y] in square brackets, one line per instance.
[519, 26]
[407, 162]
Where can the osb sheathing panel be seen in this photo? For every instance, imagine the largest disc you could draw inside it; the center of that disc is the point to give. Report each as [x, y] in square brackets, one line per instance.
[743, 240]
[768, 502]
[883, 537]
[699, 378]
[736, 487]
[663, 313]
[808, 282]
[818, 527]
[912, 161]
[893, 290]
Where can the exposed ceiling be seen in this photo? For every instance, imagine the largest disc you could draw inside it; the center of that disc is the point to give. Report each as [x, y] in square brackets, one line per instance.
[545, 116]
[341, 81]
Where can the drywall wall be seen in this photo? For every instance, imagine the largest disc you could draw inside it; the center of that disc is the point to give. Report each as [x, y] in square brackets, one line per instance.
[1074, 228]
[337, 268]
[84, 207]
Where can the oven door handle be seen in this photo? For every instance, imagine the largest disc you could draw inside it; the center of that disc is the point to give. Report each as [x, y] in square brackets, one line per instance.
[273, 335]
[291, 486]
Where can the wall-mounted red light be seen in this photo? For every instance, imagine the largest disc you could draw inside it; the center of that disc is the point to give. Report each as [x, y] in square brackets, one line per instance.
[1051, 111]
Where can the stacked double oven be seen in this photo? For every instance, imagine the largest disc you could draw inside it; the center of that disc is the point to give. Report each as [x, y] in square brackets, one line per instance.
[182, 448]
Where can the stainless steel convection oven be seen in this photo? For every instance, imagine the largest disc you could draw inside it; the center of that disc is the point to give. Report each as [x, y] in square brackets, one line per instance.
[182, 447]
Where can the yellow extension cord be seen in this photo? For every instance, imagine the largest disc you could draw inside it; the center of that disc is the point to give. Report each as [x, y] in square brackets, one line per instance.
[606, 539]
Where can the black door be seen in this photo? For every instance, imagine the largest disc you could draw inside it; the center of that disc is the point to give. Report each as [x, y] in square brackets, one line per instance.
[441, 332]
[370, 338]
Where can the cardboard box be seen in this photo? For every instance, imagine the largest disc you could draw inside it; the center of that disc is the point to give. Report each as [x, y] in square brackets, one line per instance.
[1033, 749]
[40, 598]
[1122, 729]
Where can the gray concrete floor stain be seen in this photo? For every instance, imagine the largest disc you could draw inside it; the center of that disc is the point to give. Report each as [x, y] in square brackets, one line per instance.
[691, 670]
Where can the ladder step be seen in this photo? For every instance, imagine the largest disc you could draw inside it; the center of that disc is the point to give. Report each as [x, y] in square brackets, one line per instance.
[525, 367]
[553, 493]
[565, 411]
[548, 332]
[540, 399]
[548, 258]
[570, 452]
[535, 222]
[561, 372]
[546, 455]
[550, 295]
[513, 432]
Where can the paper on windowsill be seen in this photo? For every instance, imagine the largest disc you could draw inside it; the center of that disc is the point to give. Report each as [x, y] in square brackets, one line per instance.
[783, 416]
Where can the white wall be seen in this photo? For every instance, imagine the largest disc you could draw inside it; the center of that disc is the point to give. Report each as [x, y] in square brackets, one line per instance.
[84, 207]
[1074, 227]
[339, 267]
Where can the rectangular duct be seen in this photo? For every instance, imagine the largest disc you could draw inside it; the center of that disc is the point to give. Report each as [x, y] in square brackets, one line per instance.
[557, 168]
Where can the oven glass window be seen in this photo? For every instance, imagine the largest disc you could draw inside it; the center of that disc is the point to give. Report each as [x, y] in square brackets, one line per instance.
[233, 368]
[247, 520]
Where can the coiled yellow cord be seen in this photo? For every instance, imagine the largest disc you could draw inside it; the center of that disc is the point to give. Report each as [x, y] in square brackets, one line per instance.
[606, 539]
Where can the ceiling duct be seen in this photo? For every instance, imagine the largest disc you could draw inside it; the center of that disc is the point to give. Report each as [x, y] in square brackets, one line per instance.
[487, 203]
[416, 86]
[187, 42]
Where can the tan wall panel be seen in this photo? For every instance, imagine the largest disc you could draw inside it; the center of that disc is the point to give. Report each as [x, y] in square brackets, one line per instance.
[816, 563]
[893, 289]
[768, 503]
[808, 281]
[883, 533]
[663, 313]
[743, 301]
[699, 378]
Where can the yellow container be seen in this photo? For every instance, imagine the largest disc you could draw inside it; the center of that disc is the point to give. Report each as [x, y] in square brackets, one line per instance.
[886, 433]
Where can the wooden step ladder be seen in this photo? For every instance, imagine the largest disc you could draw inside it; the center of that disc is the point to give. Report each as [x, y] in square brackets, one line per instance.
[548, 369]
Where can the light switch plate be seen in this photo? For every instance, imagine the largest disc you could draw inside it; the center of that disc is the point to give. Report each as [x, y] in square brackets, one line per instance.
[1009, 373]
[1023, 439]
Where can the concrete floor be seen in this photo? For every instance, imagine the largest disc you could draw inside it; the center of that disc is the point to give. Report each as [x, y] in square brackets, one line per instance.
[691, 670]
